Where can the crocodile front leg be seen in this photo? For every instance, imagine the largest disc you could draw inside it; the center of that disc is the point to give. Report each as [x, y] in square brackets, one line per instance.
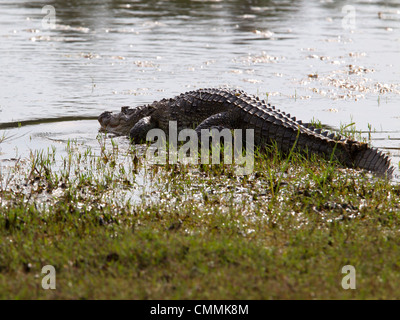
[139, 131]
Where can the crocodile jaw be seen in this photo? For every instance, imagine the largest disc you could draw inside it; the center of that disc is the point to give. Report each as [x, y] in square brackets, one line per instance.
[119, 123]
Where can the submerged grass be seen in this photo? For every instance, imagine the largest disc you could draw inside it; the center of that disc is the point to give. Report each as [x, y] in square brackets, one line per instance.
[115, 227]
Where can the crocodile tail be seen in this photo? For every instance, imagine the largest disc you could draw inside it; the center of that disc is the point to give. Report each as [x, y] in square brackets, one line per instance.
[374, 160]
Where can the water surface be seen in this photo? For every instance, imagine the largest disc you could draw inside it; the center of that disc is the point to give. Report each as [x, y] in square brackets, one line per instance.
[309, 58]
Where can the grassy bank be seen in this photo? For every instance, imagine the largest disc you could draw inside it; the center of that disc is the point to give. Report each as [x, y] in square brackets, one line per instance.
[114, 227]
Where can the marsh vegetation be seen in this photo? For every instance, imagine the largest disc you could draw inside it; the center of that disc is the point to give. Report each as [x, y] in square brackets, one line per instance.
[116, 227]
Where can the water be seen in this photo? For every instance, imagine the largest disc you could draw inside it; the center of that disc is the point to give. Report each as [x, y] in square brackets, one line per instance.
[311, 59]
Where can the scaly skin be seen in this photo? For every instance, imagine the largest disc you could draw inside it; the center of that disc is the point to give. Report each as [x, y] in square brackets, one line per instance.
[234, 109]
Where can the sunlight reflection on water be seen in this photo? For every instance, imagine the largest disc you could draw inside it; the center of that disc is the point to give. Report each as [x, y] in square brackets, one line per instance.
[105, 54]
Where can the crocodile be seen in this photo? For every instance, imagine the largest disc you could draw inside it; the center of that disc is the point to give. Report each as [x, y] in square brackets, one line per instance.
[235, 109]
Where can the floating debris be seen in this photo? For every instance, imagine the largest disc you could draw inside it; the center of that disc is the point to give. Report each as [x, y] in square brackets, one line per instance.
[89, 55]
[145, 64]
[254, 59]
[264, 34]
[118, 57]
[70, 28]
[252, 80]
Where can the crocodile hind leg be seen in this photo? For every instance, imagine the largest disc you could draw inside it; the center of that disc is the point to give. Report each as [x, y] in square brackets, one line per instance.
[217, 121]
[212, 133]
[235, 139]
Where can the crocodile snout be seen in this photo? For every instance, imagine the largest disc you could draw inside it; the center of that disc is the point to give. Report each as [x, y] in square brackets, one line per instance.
[104, 118]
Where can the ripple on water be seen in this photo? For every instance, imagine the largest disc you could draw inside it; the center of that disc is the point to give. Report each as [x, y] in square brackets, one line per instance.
[100, 56]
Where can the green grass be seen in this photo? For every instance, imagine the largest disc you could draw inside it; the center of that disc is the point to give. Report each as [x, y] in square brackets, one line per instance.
[114, 227]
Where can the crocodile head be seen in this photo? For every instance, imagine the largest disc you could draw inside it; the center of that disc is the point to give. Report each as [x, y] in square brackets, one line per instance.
[118, 123]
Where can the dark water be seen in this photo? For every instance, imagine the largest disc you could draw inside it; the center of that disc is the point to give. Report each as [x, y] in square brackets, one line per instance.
[310, 58]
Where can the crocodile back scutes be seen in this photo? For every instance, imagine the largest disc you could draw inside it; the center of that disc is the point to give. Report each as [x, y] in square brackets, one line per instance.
[257, 113]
